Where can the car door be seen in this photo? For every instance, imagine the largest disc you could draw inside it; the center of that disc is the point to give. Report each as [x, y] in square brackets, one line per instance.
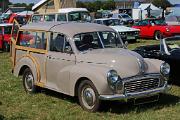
[60, 60]
[144, 27]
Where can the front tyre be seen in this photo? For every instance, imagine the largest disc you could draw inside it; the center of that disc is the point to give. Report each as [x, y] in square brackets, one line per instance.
[88, 96]
[28, 81]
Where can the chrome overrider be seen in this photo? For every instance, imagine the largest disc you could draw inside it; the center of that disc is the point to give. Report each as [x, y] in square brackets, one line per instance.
[125, 96]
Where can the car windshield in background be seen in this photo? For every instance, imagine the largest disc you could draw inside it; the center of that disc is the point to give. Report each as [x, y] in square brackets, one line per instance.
[159, 22]
[78, 16]
[7, 30]
[97, 40]
[5, 16]
[111, 22]
[173, 43]
[125, 16]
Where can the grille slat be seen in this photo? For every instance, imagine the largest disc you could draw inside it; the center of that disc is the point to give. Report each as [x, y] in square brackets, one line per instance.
[141, 85]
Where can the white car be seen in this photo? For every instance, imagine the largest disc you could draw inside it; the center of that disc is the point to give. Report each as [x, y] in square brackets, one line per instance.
[126, 33]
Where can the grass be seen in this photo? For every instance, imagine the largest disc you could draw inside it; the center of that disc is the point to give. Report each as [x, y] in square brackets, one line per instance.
[15, 104]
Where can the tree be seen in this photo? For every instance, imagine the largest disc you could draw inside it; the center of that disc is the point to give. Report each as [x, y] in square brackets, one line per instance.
[163, 4]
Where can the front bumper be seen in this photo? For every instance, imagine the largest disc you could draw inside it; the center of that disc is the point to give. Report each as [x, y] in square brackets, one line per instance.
[143, 94]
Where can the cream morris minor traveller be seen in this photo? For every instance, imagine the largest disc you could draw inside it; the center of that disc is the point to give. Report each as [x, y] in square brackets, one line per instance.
[85, 60]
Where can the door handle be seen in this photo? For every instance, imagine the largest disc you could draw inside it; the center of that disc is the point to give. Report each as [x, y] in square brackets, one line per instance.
[49, 57]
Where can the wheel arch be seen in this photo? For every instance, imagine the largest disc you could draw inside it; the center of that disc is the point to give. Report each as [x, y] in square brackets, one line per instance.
[78, 82]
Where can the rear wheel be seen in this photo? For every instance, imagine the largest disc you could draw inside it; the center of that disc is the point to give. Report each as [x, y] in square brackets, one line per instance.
[158, 35]
[88, 96]
[28, 81]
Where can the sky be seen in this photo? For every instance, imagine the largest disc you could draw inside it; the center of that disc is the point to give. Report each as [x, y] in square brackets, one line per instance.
[35, 1]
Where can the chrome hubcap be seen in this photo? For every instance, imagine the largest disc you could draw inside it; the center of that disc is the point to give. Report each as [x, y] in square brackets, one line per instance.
[88, 97]
[29, 82]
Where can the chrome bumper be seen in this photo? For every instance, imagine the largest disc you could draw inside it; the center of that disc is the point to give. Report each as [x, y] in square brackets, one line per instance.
[127, 96]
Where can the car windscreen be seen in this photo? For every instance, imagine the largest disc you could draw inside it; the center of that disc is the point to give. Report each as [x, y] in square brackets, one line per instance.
[7, 29]
[125, 16]
[97, 40]
[5, 16]
[159, 22]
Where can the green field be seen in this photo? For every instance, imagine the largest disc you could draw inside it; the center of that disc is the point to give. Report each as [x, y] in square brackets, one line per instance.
[15, 104]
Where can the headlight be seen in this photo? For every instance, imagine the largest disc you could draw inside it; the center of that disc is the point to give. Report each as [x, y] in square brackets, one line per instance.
[167, 30]
[112, 78]
[165, 69]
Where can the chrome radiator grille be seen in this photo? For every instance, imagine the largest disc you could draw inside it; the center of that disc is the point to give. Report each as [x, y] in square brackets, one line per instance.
[141, 85]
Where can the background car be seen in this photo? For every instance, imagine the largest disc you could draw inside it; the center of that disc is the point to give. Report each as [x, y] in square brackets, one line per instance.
[172, 20]
[5, 36]
[167, 50]
[125, 18]
[156, 28]
[127, 33]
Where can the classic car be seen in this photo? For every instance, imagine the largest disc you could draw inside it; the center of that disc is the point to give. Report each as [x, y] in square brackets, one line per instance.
[127, 33]
[5, 36]
[86, 60]
[125, 18]
[167, 50]
[172, 20]
[156, 28]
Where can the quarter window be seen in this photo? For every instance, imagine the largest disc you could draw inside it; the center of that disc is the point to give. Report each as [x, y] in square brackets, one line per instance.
[61, 17]
[33, 39]
[37, 18]
[49, 17]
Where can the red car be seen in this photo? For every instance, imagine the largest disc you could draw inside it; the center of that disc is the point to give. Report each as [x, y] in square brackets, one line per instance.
[5, 36]
[156, 28]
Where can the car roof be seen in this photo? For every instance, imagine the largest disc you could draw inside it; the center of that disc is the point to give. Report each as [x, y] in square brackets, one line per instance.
[5, 24]
[67, 28]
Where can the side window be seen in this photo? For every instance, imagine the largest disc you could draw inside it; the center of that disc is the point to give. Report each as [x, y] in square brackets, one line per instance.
[49, 17]
[59, 43]
[143, 23]
[33, 39]
[61, 17]
[37, 18]
[98, 22]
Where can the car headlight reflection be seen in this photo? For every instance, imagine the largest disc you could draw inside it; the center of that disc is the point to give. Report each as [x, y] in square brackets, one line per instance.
[165, 69]
[114, 81]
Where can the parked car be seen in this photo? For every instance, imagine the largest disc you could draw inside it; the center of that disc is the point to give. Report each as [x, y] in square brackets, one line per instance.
[172, 20]
[127, 33]
[85, 60]
[10, 17]
[125, 18]
[167, 50]
[64, 14]
[156, 28]
[5, 36]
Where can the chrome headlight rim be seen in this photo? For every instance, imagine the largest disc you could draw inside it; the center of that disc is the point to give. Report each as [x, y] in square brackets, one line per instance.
[112, 79]
[165, 69]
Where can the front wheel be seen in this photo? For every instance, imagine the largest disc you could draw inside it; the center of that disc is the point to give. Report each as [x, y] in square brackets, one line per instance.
[28, 81]
[158, 35]
[88, 96]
